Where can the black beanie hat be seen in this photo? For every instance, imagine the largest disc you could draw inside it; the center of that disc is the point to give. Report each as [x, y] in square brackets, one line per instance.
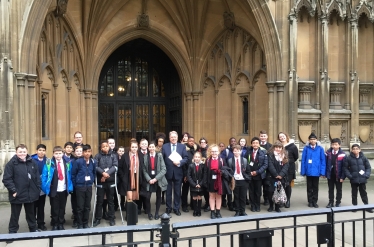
[312, 136]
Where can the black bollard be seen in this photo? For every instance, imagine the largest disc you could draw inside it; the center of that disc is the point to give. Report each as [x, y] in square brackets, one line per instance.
[165, 230]
[132, 219]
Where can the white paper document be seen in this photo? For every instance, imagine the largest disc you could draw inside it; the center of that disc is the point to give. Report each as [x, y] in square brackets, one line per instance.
[175, 157]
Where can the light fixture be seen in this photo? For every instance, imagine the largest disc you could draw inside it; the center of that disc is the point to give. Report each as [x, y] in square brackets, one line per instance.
[121, 89]
[111, 94]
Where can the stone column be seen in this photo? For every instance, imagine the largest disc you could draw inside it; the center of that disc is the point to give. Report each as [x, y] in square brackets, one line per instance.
[305, 89]
[188, 116]
[336, 89]
[280, 106]
[38, 131]
[68, 120]
[95, 119]
[53, 131]
[292, 78]
[31, 116]
[354, 84]
[323, 90]
[89, 117]
[196, 113]
[272, 117]
[365, 90]
[20, 121]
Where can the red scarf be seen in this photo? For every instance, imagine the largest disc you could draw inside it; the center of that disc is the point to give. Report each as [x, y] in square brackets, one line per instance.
[218, 183]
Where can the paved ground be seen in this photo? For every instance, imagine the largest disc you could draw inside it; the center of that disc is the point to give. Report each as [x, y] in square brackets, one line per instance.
[298, 203]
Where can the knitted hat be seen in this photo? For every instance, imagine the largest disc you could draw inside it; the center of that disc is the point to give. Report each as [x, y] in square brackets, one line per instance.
[312, 136]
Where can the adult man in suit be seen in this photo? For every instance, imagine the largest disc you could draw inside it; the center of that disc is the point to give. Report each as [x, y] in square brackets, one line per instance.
[174, 171]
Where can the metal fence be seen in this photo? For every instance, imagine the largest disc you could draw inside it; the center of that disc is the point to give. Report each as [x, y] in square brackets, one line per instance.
[328, 227]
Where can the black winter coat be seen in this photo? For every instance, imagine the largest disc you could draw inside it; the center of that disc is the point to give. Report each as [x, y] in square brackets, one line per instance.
[353, 166]
[22, 177]
[196, 178]
[293, 156]
[275, 169]
[246, 170]
[108, 162]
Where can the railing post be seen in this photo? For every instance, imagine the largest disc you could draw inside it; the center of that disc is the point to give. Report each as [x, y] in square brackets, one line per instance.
[331, 220]
[165, 230]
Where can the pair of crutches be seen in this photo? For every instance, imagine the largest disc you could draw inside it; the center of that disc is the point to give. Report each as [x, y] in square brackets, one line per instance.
[118, 198]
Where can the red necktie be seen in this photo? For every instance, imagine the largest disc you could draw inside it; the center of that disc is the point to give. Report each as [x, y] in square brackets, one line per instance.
[197, 168]
[152, 162]
[237, 166]
[253, 156]
[59, 170]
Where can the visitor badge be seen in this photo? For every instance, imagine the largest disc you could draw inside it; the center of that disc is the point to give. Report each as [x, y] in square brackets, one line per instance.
[28, 174]
[87, 178]
[362, 172]
[251, 164]
[153, 172]
[106, 169]
[214, 176]
[237, 176]
[310, 161]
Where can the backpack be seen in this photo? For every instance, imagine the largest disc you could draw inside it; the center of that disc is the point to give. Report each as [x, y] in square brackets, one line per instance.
[279, 196]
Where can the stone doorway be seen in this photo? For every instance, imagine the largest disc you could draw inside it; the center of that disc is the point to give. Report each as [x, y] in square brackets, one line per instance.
[139, 94]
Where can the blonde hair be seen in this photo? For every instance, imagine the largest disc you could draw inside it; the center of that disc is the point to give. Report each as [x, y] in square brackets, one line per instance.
[209, 151]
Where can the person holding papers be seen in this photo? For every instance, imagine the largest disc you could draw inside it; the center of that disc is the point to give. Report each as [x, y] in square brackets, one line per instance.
[175, 157]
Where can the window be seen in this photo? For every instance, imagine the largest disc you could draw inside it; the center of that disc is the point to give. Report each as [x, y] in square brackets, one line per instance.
[44, 115]
[245, 115]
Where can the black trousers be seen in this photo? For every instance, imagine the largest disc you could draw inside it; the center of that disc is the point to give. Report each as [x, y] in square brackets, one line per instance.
[148, 207]
[363, 194]
[83, 199]
[39, 210]
[264, 191]
[173, 185]
[185, 190]
[332, 183]
[240, 193]
[58, 205]
[107, 189]
[312, 188]
[73, 201]
[14, 216]
[255, 190]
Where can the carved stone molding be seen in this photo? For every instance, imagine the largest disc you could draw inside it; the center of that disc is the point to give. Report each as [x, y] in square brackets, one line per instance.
[305, 89]
[366, 132]
[62, 6]
[365, 92]
[338, 129]
[270, 85]
[336, 89]
[143, 20]
[229, 20]
[21, 77]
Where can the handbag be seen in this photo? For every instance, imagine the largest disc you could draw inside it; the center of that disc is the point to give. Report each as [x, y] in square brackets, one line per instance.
[279, 196]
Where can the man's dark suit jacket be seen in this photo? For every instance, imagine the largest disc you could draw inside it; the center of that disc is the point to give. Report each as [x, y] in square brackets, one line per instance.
[172, 169]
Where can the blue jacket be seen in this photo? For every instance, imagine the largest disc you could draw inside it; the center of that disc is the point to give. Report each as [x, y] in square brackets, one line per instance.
[261, 159]
[50, 177]
[313, 161]
[81, 170]
[338, 166]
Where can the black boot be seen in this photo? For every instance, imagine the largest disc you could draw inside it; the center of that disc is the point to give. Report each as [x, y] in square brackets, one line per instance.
[277, 208]
[198, 209]
[194, 203]
[271, 206]
[288, 204]
[212, 214]
[218, 214]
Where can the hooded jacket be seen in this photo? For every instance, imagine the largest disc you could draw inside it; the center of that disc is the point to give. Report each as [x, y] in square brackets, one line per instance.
[313, 161]
[50, 177]
[353, 166]
[106, 163]
[22, 177]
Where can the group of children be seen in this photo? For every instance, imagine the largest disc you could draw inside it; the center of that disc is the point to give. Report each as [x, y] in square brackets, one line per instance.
[72, 171]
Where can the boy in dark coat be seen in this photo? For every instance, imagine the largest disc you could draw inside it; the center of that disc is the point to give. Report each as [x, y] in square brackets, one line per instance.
[22, 179]
[335, 157]
[357, 168]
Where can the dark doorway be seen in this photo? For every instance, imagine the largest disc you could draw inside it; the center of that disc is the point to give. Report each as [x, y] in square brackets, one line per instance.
[139, 94]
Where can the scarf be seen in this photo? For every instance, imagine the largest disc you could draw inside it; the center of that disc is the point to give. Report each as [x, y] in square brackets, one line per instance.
[218, 183]
[134, 177]
[279, 157]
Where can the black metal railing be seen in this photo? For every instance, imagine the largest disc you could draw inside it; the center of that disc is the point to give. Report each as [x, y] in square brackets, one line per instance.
[333, 227]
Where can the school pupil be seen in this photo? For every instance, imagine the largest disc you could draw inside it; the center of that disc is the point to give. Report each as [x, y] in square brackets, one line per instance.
[106, 167]
[335, 158]
[154, 171]
[242, 176]
[39, 205]
[83, 177]
[57, 184]
[357, 169]
[196, 178]
[120, 151]
[68, 151]
[313, 165]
